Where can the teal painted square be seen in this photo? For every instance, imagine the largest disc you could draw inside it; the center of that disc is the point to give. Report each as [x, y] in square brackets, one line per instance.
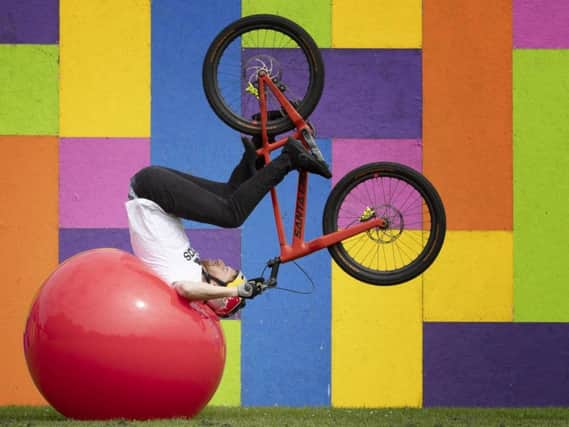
[29, 92]
[541, 185]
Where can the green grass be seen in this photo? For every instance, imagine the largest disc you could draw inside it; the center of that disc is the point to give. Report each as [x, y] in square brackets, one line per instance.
[26, 416]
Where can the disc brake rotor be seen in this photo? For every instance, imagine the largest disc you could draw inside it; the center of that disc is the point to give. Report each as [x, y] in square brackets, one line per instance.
[257, 63]
[394, 223]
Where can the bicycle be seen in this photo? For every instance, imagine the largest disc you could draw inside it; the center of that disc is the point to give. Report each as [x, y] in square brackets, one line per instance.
[378, 215]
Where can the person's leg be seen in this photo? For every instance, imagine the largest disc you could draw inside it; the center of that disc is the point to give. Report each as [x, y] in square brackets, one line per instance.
[244, 170]
[206, 201]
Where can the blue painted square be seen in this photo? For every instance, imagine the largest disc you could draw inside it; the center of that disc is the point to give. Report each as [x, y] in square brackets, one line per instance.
[286, 336]
[186, 134]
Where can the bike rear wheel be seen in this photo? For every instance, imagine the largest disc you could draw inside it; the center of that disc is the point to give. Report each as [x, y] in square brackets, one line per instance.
[270, 43]
[415, 223]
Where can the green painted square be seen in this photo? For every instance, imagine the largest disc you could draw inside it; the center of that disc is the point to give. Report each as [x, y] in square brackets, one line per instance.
[29, 92]
[315, 16]
[229, 391]
[541, 185]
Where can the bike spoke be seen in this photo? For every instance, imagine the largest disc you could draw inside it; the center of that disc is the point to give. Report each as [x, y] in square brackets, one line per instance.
[260, 49]
[406, 213]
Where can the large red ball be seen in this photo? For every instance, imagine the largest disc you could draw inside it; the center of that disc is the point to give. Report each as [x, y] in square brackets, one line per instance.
[106, 338]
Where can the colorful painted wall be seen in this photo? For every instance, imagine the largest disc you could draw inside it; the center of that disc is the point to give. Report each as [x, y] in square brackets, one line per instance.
[473, 93]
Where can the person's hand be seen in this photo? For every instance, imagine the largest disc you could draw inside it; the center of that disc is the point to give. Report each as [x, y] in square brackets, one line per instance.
[251, 289]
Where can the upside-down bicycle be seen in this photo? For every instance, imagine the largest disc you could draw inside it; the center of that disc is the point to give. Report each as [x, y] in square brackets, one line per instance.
[383, 223]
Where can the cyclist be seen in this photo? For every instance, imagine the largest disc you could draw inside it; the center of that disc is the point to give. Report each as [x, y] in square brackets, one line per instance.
[159, 197]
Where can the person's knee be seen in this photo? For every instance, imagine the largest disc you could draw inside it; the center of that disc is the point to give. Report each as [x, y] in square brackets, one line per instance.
[142, 181]
[232, 221]
[232, 217]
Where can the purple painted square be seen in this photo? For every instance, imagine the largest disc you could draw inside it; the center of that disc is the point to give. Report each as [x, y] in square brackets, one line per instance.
[75, 240]
[218, 243]
[94, 179]
[541, 24]
[496, 364]
[368, 93]
[371, 93]
[29, 21]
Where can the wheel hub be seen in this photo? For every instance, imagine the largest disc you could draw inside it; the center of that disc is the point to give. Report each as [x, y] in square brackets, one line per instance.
[262, 64]
[394, 223]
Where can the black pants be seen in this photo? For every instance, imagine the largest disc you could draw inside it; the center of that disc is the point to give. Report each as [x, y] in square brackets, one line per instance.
[198, 199]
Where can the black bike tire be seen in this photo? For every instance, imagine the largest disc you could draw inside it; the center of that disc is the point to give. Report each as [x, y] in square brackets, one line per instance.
[254, 22]
[436, 209]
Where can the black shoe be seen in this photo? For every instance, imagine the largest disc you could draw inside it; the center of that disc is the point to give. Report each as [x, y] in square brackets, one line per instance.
[302, 159]
[254, 162]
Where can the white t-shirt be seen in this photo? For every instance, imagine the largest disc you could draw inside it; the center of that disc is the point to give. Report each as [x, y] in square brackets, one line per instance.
[159, 240]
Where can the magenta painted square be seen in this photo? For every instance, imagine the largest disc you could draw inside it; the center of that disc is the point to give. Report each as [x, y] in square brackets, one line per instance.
[391, 197]
[541, 24]
[94, 175]
[348, 154]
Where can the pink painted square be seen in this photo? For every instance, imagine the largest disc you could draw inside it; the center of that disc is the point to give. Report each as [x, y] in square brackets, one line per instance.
[347, 154]
[541, 24]
[391, 197]
[94, 175]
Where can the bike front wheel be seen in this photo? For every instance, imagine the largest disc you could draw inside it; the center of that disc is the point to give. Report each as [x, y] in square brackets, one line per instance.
[274, 45]
[414, 216]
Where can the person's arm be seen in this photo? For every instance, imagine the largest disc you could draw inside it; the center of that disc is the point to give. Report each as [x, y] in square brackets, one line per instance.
[202, 291]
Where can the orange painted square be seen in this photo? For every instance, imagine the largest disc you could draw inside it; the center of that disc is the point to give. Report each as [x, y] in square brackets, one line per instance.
[467, 110]
[29, 242]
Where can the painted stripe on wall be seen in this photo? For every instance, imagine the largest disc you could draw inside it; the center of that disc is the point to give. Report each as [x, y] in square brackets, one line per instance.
[376, 340]
[370, 93]
[218, 243]
[349, 154]
[472, 279]
[541, 24]
[541, 190]
[376, 24]
[496, 364]
[467, 132]
[314, 16]
[105, 68]
[229, 391]
[286, 336]
[95, 177]
[186, 133]
[75, 240]
[29, 90]
[376, 343]
[32, 21]
[29, 249]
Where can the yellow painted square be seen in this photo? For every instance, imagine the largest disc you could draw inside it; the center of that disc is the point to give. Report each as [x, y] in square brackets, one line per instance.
[377, 23]
[376, 343]
[472, 279]
[105, 68]
[229, 391]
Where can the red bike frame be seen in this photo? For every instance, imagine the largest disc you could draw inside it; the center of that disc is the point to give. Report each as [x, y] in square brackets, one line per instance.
[299, 247]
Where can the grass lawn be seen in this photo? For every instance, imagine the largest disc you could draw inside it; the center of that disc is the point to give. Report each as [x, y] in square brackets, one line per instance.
[26, 416]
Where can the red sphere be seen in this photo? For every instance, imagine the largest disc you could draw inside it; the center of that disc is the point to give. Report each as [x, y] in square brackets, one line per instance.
[106, 338]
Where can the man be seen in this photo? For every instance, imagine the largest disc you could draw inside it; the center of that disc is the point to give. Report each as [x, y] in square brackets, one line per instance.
[159, 197]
